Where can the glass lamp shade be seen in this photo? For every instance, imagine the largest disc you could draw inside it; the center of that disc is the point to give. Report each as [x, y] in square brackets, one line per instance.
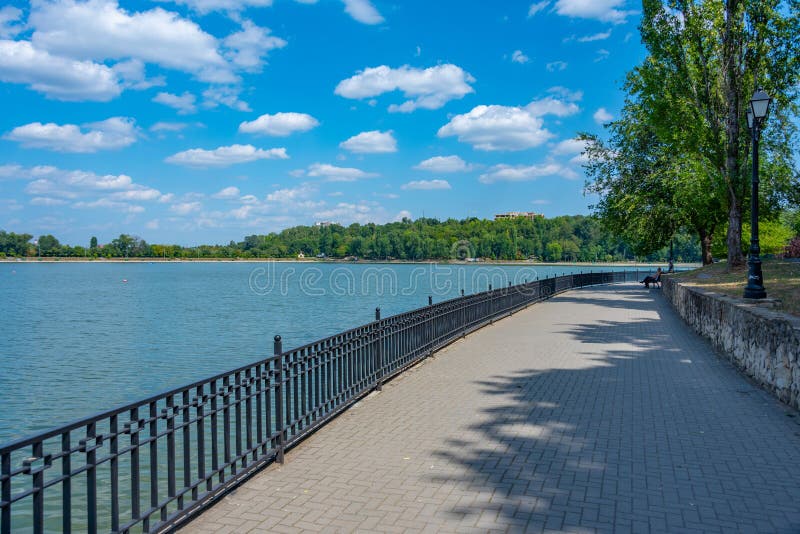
[750, 118]
[760, 104]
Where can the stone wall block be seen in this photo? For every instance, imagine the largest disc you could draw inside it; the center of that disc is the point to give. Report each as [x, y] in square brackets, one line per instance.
[762, 343]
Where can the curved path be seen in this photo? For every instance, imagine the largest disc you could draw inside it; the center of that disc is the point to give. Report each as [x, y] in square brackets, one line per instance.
[597, 411]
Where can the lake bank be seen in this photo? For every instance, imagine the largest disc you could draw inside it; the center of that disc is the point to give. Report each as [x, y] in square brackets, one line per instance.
[346, 262]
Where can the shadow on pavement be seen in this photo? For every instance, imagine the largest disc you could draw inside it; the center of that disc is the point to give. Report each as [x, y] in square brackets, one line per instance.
[652, 433]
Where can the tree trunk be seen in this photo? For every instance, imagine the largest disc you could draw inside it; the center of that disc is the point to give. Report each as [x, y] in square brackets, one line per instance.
[705, 247]
[730, 49]
[734, 237]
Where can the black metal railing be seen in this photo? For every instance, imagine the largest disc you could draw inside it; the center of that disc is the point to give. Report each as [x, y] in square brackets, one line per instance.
[151, 465]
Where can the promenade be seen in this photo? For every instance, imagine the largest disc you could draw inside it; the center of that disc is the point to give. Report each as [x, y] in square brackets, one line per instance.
[597, 411]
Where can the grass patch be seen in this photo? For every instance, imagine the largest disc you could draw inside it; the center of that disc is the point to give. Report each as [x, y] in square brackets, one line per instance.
[781, 280]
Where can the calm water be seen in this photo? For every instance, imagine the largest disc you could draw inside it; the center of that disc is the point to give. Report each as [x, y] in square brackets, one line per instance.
[81, 338]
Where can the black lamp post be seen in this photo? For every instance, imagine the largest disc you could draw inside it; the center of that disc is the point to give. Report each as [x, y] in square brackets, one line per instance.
[759, 107]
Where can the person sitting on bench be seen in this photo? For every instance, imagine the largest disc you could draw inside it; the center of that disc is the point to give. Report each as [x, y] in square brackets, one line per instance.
[650, 279]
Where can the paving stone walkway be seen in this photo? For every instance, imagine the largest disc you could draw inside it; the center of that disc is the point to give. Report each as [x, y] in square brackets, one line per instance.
[597, 411]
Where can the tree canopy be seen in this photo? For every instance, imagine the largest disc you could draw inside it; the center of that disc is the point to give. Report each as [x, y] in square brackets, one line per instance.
[677, 156]
[564, 238]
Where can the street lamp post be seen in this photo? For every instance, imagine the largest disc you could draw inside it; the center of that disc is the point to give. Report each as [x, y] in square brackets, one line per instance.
[759, 107]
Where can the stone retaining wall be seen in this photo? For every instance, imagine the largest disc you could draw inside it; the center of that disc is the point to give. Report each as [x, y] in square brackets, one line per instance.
[762, 343]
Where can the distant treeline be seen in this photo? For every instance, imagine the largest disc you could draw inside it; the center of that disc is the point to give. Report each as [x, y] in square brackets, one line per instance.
[564, 238]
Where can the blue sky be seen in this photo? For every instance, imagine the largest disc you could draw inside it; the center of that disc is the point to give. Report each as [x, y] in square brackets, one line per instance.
[202, 121]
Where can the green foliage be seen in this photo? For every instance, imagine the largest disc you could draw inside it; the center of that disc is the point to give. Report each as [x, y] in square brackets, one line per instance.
[570, 238]
[553, 251]
[678, 155]
[49, 245]
[791, 219]
[773, 237]
[13, 244]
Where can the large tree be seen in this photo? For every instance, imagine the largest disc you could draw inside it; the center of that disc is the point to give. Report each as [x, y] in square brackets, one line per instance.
[678, 154]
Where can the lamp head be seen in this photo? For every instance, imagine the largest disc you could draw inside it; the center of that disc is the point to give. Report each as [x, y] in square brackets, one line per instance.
[760, 104]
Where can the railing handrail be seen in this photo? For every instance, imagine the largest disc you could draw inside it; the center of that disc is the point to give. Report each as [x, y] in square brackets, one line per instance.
[305, 387]
[28, 440]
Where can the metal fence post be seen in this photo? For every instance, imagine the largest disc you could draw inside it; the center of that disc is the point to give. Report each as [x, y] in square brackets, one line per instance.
[491, 305]
[430, 300]
[379, 354]
[279, 406]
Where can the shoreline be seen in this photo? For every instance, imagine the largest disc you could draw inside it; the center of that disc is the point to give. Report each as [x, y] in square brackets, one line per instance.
[49, 260]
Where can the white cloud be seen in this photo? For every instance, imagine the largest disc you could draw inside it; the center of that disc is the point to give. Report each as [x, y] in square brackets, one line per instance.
[279, 124]
[520, 173]
[519, 57]
[162, 126]
[602, 55]
[9, 18]
[185, 208]
[556, 66]
[47, 201]
[595, 37]
[140, 194]
[207, 6]
[601, 116]
[225, 156]
[505, 127]
[73, 40]
[362, 11]
[132, 75]
[402, 214]
[540, 202]
[537, 6]
[246, 49]
[429, 88]
[152, 224]
[444, 164]
[565, 93]
[226, 96]
[50, 186]
[113, 133]
[373, 142]
[292, 194]
[337, 174]
[55, 76]
[569, 147]
[101, 30]
[427, 185]
[109, 204]
[184, 103]
[602, 10]
[346, 213]
[11, 171]
[227, 193]
[52, 181]
[552, 106]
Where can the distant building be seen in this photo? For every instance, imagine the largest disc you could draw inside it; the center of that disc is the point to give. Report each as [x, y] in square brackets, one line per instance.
[518, 214]
[323, 224]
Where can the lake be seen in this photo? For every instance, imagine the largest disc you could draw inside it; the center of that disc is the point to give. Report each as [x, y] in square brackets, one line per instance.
[79, 338]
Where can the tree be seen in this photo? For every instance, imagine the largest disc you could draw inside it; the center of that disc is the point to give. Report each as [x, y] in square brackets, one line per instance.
[48, 245]
[553, 251]
[686, 106]
[93, 243]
